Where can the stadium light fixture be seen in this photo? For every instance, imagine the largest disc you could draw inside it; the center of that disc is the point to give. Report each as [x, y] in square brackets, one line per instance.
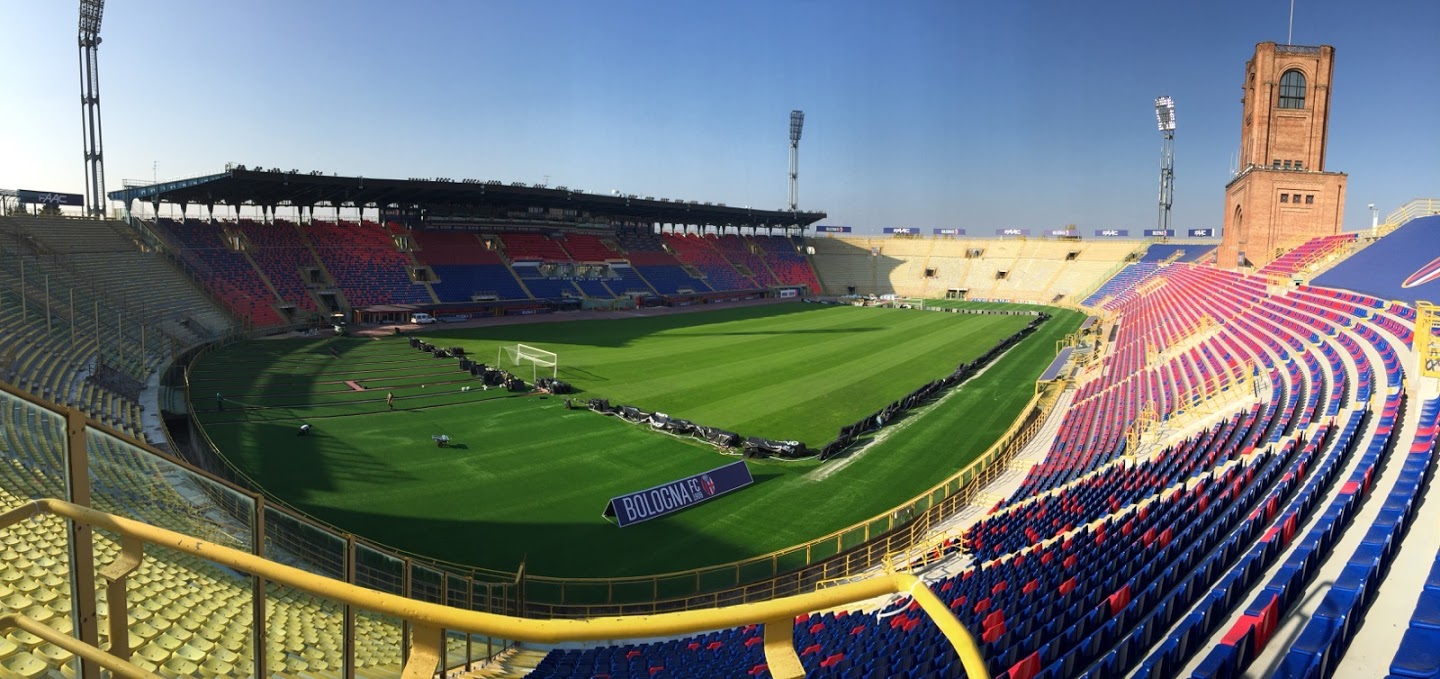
[797, 123]
[91, 13]
[1165, 113]
[1165, 118]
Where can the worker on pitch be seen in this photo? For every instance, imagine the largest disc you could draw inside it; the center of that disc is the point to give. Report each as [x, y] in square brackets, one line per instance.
[390, 399]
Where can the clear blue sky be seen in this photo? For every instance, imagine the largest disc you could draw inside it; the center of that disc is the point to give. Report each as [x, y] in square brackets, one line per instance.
[967, 114]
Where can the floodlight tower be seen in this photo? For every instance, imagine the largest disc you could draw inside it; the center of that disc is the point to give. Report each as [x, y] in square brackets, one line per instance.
[91, 12]
[1165, 116]
[797, 122]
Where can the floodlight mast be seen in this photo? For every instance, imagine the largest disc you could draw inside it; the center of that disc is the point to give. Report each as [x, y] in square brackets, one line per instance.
[91, 12]
[1165, 118]
[797, 123]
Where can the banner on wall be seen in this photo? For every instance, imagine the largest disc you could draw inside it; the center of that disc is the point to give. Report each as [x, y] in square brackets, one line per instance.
[668, 498]
[29, 197]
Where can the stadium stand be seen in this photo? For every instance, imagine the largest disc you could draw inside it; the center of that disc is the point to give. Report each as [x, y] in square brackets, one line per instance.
[1005, 270]
[1210, 480]
[364, 263]
[583, 247]
[738, 251]
[540, 286]
[1400, 266]
[1123, 281]
[786, 257]
[1165, 253]
[701, 253]
[88, 316]
[196, 616]
[1309, 255]
[224, 271]
[536, 246]
[465, 267]
[282, 258]
[1184, 529]
[99, 256]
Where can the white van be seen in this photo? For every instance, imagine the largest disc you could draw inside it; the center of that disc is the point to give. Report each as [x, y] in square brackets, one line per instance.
[421, 318]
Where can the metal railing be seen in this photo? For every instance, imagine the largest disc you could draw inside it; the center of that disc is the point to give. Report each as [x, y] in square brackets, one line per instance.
[1419, 207]
[430, 622]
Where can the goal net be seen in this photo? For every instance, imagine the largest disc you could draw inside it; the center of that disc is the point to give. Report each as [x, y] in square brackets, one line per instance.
[537, 358]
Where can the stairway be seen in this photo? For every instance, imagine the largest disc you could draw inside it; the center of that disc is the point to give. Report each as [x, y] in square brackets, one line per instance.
[511, 664]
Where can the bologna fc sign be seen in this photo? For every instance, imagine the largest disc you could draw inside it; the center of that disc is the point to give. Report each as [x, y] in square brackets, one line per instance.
[668, 498]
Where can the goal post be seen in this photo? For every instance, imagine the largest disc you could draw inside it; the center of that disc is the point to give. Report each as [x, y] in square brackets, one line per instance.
[535, 356]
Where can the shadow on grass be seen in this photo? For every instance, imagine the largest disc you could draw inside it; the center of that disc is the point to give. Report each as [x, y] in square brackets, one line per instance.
[767, 333]
[597, 548]
[620, 332]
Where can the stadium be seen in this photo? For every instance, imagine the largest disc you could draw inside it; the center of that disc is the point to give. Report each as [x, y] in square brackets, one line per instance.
[316, 423]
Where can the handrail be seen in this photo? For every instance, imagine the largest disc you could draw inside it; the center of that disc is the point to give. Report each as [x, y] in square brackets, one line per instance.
[1418, 207]
[431, 620]
[118, 666]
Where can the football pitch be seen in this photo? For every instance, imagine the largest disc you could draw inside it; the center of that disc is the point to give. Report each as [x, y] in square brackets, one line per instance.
[526, 479]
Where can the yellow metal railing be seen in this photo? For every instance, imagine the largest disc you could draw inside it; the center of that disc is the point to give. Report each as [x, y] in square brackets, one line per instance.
[431, 621]
[1420, 207]
[118, 667]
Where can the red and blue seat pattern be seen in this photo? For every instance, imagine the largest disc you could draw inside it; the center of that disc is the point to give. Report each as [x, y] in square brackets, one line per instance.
[1107, 561]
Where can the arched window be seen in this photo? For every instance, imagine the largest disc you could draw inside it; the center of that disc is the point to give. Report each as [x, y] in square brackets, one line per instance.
[1292, 90]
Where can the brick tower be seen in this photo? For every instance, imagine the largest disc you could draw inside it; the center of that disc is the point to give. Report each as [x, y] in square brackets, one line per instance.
[1282, 196]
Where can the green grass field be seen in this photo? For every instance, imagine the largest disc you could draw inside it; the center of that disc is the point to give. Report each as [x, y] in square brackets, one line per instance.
[529, 479]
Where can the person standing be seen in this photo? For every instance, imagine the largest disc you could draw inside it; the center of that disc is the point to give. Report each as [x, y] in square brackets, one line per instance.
[219, 402]
[390, 399]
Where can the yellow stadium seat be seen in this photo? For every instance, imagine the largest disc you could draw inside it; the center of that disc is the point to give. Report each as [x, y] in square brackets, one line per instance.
[39, 613]
[152, 654]
[8, 648]
[43, 595]
[188, 652]
[22, 665]
[215, 667]
[16, 602]
[167, 642]
[178, 667]
[25, 640]
[143, 631]
[53, 654]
